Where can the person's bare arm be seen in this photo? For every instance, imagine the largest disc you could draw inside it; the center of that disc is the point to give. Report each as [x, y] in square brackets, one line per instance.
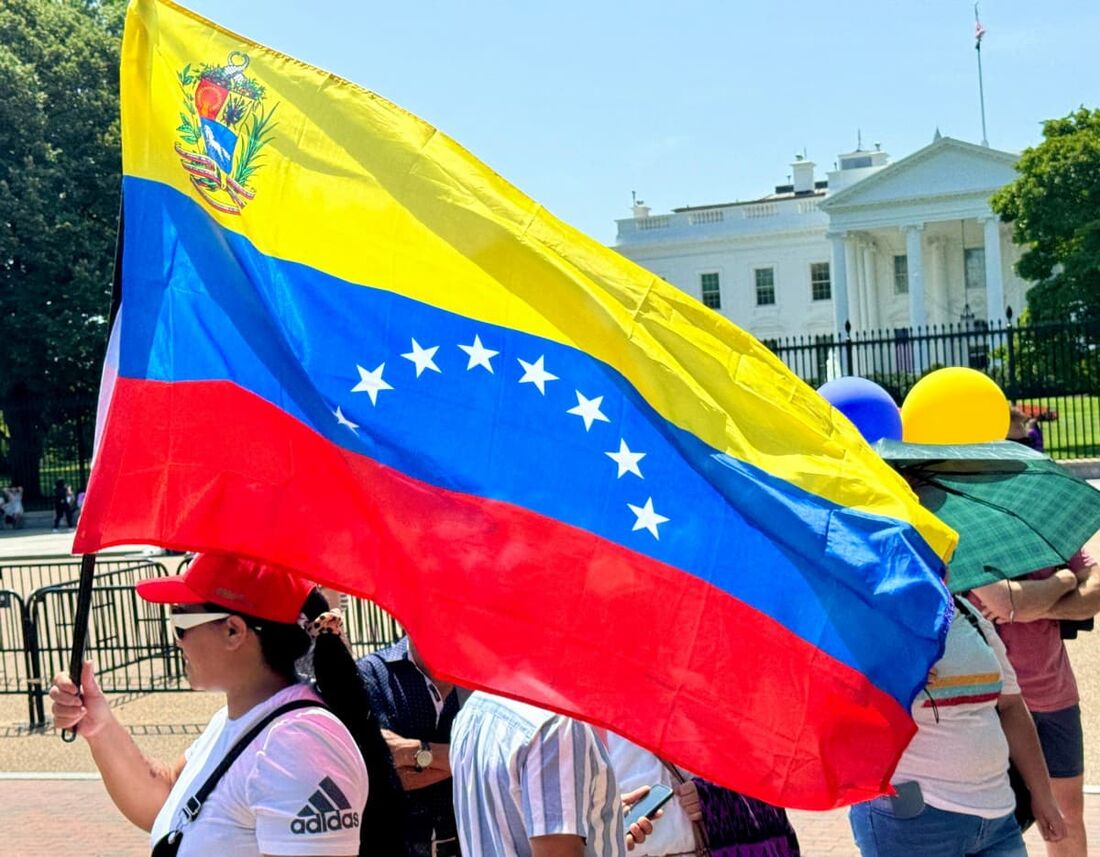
[1026, 753]
[138, 785]
[1024, 600]
[557, 845]
[1083, 601]
[404, 750]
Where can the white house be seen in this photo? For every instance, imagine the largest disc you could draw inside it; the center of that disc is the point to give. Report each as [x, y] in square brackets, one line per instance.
[880, 245]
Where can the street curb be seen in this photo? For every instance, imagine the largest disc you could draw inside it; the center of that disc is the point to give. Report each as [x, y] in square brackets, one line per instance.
[1083, 468]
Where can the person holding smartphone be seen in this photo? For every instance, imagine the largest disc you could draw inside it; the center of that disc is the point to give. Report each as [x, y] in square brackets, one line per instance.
[953, 795]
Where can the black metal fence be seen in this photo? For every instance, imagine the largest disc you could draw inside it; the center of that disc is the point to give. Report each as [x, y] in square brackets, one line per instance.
[130, 640]
[40, 445]
[1051, 370]
[27, 574]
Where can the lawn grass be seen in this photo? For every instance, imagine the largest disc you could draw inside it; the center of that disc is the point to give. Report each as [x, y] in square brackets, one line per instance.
[1076, 432]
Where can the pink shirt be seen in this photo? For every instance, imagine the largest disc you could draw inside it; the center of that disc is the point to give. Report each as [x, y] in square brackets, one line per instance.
[1037, 652]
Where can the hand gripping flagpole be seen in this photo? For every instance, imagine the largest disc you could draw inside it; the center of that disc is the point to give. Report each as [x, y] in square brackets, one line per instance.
[80, 629]
[87, 562]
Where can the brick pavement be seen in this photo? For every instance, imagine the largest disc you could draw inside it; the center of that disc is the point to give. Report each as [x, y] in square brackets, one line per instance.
[76, 817]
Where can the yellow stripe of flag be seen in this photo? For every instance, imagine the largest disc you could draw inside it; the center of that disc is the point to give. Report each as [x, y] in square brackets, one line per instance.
[362, 190]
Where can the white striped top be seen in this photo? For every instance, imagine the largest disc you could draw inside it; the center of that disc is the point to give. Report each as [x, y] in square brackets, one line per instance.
[520, 772]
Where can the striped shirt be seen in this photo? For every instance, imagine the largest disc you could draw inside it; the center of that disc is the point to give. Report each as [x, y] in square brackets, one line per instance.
[960, 754]
[520, 772]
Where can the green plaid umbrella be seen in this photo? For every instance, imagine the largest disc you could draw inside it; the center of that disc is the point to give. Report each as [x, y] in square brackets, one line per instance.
[1015, 509]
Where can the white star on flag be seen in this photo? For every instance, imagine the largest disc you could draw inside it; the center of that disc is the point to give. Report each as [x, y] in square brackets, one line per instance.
[588, 410]
[423, 358]
[647, 518]
[371, 382]
[479, 355]
[627, 460]
[535, 373]
[344, 421]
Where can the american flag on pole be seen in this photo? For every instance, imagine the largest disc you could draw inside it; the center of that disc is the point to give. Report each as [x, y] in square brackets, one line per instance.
[979, 30]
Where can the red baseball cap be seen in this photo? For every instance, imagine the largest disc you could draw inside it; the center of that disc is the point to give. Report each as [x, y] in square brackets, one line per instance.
[254, 588]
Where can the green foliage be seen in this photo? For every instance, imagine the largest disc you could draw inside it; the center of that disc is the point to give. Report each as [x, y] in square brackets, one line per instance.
[258, 134]
[1053, 358]
[189, 128]
[59, 198]
[1054, 207]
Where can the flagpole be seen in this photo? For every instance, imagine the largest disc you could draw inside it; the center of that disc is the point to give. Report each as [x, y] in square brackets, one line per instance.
[979, 31]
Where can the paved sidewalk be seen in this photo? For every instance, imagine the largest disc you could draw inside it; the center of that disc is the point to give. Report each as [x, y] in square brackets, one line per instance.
[76, 817]
[828, 833]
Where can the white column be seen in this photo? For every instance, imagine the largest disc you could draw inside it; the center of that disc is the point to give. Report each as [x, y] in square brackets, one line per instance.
[994, 282]
[941, 303]
[839, 272]
[914, 252]
[870, 289]
[855, 298]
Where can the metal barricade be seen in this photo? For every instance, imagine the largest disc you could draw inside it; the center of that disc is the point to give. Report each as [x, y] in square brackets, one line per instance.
[129, 640]
[26, 575]
[19, 669]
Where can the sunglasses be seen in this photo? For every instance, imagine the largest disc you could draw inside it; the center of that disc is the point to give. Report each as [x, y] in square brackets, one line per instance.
[181, 622]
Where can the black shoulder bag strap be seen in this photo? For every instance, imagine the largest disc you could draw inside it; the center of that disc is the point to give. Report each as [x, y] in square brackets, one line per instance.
[1023, 812]
[963, 606]
[169, 845]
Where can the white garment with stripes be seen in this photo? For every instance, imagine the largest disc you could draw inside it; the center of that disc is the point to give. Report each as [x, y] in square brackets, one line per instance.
[521, 772]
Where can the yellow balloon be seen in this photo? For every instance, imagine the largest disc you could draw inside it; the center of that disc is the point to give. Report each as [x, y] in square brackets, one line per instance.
[954, 405]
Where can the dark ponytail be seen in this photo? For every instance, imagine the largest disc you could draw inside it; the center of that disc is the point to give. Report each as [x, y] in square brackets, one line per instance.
[337, 681]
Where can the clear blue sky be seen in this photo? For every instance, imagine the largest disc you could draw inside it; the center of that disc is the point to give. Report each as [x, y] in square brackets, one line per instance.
[690, 103]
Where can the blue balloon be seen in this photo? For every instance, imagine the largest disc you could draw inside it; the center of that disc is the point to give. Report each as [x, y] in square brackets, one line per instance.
[867, 405]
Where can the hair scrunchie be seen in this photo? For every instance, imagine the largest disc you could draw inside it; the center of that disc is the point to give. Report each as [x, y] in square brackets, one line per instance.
[329, 622]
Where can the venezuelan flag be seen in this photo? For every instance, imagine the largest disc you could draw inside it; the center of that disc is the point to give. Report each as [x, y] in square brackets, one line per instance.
[346, 346]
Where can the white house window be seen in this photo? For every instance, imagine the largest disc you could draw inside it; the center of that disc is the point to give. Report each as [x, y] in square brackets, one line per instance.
[974, 267]
[821, 287]
[711, 289]
[901, 275]
[765, 286]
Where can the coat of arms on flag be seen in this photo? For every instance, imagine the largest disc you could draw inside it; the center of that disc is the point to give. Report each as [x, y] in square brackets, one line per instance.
[224, 126]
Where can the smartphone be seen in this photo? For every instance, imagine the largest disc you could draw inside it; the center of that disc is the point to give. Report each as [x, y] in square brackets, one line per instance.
[659, 795]
[908, 802]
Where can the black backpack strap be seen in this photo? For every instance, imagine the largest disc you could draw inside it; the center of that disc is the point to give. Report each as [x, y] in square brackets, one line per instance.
[967, 610]
[194, 803]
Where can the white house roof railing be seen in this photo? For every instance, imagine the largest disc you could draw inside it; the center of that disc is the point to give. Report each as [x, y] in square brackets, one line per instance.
[741, 218]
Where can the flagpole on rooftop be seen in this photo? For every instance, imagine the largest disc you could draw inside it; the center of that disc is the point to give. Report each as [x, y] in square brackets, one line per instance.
[979, 31]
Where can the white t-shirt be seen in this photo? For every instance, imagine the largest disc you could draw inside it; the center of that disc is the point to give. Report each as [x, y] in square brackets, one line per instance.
[636, 767]
[961, 761]
[298, 789]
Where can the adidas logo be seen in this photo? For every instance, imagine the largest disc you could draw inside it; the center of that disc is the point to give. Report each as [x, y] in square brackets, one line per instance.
[328, 809]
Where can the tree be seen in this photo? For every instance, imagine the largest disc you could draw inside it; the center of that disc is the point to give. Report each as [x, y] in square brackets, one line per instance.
[59, 199]
[1054, 207]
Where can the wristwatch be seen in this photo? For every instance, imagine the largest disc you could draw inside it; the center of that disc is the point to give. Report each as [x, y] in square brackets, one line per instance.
[423, 757]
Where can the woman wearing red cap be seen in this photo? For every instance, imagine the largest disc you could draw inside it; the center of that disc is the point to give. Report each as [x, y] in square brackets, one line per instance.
[307, 751]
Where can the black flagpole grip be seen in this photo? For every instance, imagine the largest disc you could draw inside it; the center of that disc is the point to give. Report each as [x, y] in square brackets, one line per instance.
[80, 629]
